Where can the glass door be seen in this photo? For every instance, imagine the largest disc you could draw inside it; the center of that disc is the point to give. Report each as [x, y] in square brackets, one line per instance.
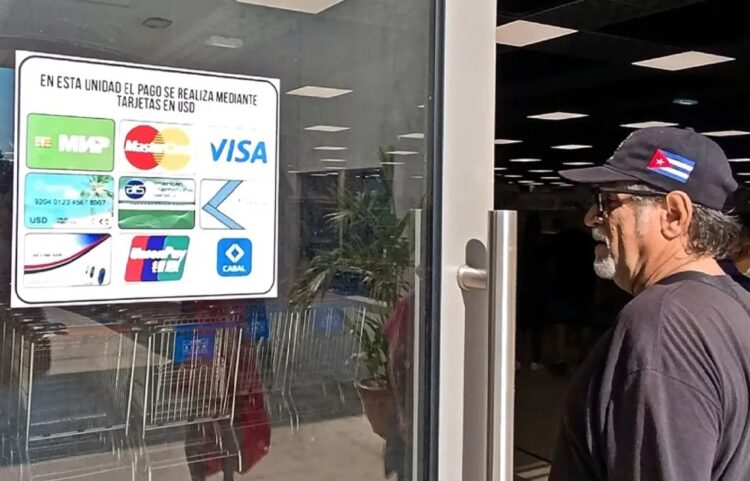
[360, 360]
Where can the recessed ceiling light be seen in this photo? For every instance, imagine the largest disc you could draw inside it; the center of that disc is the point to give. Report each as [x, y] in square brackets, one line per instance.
[513, 176]
[685, 102]
[577, 164]
[333, 160]
[563, 184]
[319, 92]
[571, 147]
[417, 177]
[541, 171]
[501, 168]
[507, 141]
[392, 163]
[683, 61]
[334, 167]
[224, 42]
[525, 160]
[401, 152]
[326, 128]
[726, 133]
[294, 172]
[648, 124]
[741, 159]
[420, 106]
[522, 33]
[558, 116]
[319, 175]
[156, 22]
[550, 178]
[415, 135]
[329, 147]
[305, 6]
[525, 181]
[743, 174]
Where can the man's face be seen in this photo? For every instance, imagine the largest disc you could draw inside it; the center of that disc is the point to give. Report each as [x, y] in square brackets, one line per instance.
[625, 233]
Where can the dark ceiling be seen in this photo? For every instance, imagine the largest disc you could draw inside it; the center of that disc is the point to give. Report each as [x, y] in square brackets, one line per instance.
[591, 72]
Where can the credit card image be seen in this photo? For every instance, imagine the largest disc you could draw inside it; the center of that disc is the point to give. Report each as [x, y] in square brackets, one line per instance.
[156, 203]
[66, 260]
[68, 201]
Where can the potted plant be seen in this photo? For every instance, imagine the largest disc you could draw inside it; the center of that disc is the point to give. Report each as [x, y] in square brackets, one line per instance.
[375, 250]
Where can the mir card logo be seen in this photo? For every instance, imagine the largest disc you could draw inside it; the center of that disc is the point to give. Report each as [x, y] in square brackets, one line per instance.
[234, 257]
[239, 150]
[157, 258]
[147, 148]
[59, 142]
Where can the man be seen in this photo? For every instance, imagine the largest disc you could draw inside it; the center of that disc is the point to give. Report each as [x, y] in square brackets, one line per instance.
[664, 395]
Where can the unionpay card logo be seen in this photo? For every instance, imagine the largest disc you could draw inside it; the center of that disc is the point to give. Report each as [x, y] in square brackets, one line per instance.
[157, 258]
[234, 257]
[147, 147]
[58, 142]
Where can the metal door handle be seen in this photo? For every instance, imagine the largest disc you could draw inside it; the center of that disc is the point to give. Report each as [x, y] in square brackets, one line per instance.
[500, 281]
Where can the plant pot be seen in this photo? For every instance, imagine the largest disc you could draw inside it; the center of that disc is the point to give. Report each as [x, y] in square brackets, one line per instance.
[379, 405]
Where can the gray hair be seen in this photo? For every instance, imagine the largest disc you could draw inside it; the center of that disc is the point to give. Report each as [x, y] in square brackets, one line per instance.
[711, 232]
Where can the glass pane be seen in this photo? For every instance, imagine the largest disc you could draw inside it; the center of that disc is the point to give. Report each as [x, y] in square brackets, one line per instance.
[315, 383]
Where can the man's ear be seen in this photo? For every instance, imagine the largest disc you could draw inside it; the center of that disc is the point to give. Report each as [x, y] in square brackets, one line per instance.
[678, 213]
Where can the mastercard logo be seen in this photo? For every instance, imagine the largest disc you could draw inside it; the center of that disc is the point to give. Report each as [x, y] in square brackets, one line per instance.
[147, 147]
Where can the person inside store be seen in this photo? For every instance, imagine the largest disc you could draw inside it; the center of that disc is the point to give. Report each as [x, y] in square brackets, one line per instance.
[665, 393]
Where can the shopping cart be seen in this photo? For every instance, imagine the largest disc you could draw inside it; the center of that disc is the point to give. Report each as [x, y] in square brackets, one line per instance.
[70, 398]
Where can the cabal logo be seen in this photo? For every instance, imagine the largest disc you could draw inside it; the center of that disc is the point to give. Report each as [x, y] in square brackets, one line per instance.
[242, 150]
[234, 257]
[82, 144]
[147, 148]
[156, 258]
[135, 189]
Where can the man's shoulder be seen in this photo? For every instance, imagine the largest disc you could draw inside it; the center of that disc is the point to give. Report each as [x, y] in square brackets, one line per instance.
[666, 320]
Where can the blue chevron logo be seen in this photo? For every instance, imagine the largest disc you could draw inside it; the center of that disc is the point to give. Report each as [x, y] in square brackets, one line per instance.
[212, 206]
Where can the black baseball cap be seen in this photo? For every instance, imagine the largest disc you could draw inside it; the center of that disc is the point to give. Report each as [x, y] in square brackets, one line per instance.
[668, 159]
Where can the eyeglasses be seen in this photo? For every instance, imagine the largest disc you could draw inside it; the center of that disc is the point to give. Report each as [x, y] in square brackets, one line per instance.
[603, 201]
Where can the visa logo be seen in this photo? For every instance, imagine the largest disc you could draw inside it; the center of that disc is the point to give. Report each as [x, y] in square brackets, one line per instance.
[233, 150]
[82, 144]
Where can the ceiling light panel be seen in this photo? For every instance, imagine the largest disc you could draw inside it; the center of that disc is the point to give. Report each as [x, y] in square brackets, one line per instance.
[525, 160]
[726, 133]
[326, 128]
[741, 159]
[318, 92]
[522, 33]
[402, 152]
[415, 135]
[224, 42]
[333, 160]
[577, 164]
[305, 6]
[648, 124]
[683, 61]
[329, 148]
[571, 147]
[541, 171]
[558, 116]
[507, 141]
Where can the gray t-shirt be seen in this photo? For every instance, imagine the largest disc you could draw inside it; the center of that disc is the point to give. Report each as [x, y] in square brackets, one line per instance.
[664, 395]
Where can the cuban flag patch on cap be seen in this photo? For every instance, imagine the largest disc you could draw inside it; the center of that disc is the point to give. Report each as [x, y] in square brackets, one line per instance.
[671, 165]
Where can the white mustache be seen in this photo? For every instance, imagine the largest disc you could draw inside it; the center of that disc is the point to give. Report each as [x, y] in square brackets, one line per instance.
[599, 236]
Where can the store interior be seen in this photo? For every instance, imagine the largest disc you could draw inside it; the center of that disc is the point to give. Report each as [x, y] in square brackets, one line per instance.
[571, 85]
